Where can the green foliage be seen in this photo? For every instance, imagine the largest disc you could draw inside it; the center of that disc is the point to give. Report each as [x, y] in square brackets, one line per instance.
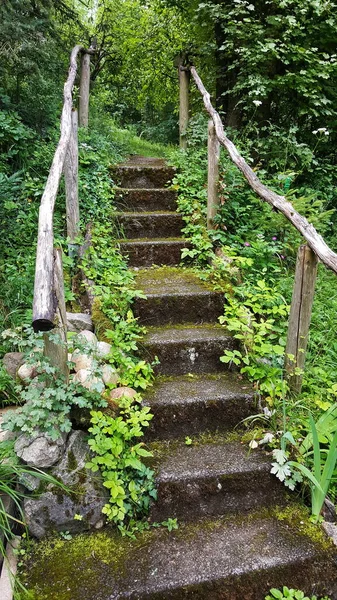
[48, 398]
[320, 474]
[115, 292]
[119, 458]
[290, 593]
[138, 43]
[255, 315]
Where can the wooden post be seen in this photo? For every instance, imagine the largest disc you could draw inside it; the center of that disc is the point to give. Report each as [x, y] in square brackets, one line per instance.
[300, 315]
[71, 185]
[184, 78]
[84, 90]
[57, 352]
[213, 174]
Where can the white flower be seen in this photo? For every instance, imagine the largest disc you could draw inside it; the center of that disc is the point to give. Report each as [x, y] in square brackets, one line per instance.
[257, 102]
[268, 412]
[267, 438]
[250, 7]
[253, 444]
[321, 130]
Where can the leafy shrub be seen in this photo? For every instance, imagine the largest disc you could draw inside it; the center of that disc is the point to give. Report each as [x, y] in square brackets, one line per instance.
[290, 593]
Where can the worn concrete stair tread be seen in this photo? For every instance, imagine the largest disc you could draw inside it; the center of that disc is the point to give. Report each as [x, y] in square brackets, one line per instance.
[186, 390]
[153, 241]
[208, 560]
[188, 405]
[187, 348]
[147, 213]
[175, 295]
[210, 460]
[170, 281]
[212, 479]
[140, 199]
[145, 252]
[186, 333]
[160, 190]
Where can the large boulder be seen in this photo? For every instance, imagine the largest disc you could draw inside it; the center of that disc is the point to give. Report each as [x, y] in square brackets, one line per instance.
[79, 321]
[12, 361]
[75, 510]
[40, 450]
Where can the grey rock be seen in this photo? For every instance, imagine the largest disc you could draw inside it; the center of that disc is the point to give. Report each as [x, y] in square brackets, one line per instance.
[331, 530]
[79, 322]
[39, 450]
[329, 511]
[73, 461]
[55, 509]
[12, 361]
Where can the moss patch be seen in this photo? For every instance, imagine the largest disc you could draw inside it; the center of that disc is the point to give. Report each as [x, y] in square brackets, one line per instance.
[100, 320]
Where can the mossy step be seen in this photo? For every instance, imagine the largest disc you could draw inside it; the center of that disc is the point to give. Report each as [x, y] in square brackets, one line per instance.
[145, 200]
[142, 176]
[175, 295]
[236, 559]
[208, 480]
[150, 224]
[145, 252]
[188, 405]
[187, 348]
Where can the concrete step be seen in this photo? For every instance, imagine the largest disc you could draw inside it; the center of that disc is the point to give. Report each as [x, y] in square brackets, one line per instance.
[145, 252]
[150, 224]
[208, 480]
[175, 295]
[142, 176]
[145, 200]
[188, 405]
[188, 348]
[237, 559]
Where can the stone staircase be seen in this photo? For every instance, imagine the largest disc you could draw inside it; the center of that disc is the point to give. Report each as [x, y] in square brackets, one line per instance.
[239, 534]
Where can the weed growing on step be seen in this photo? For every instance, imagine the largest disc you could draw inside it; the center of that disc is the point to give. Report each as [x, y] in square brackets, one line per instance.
[290, 593]
[118, 456]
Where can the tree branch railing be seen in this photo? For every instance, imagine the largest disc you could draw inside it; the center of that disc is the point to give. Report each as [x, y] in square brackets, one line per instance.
[46, 295]
[303, 292]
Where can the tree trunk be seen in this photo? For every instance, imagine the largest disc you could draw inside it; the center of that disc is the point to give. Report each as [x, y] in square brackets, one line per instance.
[300, 316]
[84, 91]
[71, 184]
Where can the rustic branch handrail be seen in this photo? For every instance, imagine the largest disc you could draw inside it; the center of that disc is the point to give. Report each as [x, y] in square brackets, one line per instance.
[308, 231]
[45, 303]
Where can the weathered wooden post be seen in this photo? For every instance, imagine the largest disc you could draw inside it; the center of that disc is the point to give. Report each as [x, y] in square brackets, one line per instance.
[71, 185]
[300, 315]
[84, 90]
[213, 174]
[57, 351]
[184, 80]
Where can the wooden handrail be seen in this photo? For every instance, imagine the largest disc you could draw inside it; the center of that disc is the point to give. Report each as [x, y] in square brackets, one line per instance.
[308, 231]
[45, 302]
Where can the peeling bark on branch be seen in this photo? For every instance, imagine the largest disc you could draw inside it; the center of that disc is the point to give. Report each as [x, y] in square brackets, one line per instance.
[44, 304]
[308, 231]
